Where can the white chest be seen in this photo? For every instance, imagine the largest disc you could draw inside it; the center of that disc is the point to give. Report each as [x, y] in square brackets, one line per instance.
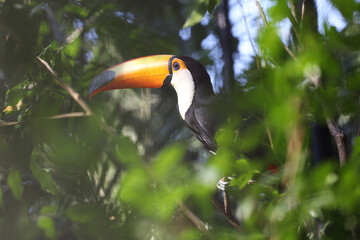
[184, 85]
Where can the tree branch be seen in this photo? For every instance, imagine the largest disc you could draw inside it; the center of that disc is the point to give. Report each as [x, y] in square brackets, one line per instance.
[193, 218]
[76, 96]
[334, 129]
[339, 138]
[60, 116]
[224, 209]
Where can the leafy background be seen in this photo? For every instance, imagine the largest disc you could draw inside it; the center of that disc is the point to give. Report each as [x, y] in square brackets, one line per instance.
[124, 166]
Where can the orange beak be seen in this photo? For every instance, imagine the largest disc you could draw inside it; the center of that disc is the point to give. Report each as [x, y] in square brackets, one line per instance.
[145, 72]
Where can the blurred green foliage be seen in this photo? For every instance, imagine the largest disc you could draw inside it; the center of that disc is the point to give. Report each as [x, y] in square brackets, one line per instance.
[131, 170]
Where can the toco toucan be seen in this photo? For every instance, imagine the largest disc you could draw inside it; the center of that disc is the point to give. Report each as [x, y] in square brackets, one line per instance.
[196, 98]
[198, 105]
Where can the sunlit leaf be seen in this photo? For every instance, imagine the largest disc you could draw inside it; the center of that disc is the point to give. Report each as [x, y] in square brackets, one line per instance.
[126, 150]
[14, 95]
[47, 210]
[85, 213]
[44, 28]
[224, 161]
[347, 8]
[44, 177]
[242, 180]
[47, 225]
[73, 8]
[15, 184]
[168, 159]
[194, 18]
[279, 11]
[136, 189]
[73, 49]
[198, 10]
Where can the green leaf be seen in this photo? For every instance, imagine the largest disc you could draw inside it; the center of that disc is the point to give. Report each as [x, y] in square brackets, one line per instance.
[198, 10]
[14, 182]
[85, 214]
[279, 11]
[166, 202]
[135, 187]
[44, 28]
[347, 7]
[194, 18]
[224, 161]
[15, 95]
[47, 210]
[47, 225]
[73, 49]
[43, 177]
[167, 159]
[78, 10]
[242, 164]
[126, 150]
[189, 234]
[242, 180]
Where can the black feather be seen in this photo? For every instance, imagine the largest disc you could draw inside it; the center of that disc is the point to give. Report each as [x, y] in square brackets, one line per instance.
[202, 117]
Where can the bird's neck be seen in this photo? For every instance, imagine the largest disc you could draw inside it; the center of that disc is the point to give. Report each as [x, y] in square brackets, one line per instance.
[184, 86]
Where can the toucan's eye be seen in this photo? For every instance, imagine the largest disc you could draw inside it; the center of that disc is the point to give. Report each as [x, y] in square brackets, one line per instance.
[176, 66]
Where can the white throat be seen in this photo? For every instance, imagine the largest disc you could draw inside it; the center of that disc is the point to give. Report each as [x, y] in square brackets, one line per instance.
[184, 85]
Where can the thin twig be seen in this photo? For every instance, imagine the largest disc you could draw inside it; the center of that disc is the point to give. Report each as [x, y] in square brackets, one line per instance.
[293, 11]
[339, 138]
[249, 35]
[334, 129]
[302, 13]
[193, 218]
[262, 13]
[269, 136]
[229, 217]
[293, 20]
[76, 96]
[6, 124]
[226, 203]
[60, 116]
[68, 115]
[288, 50]
[74, 35]
[246, 27]
[266, 24]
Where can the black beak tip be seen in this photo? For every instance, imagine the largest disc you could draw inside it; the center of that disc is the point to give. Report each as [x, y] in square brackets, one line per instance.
[100, 80]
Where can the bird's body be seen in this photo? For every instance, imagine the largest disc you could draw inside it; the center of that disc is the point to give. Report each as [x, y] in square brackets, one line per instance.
[196, 99]
[201, 116]
[202, 119]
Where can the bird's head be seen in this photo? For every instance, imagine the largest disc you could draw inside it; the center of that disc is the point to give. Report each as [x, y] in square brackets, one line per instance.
[185, 74]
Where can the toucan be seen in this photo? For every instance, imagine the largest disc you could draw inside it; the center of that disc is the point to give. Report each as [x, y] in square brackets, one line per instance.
[196, 99]
[198, 105]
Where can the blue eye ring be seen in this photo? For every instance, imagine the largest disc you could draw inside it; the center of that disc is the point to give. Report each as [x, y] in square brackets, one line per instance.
[176, 66]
